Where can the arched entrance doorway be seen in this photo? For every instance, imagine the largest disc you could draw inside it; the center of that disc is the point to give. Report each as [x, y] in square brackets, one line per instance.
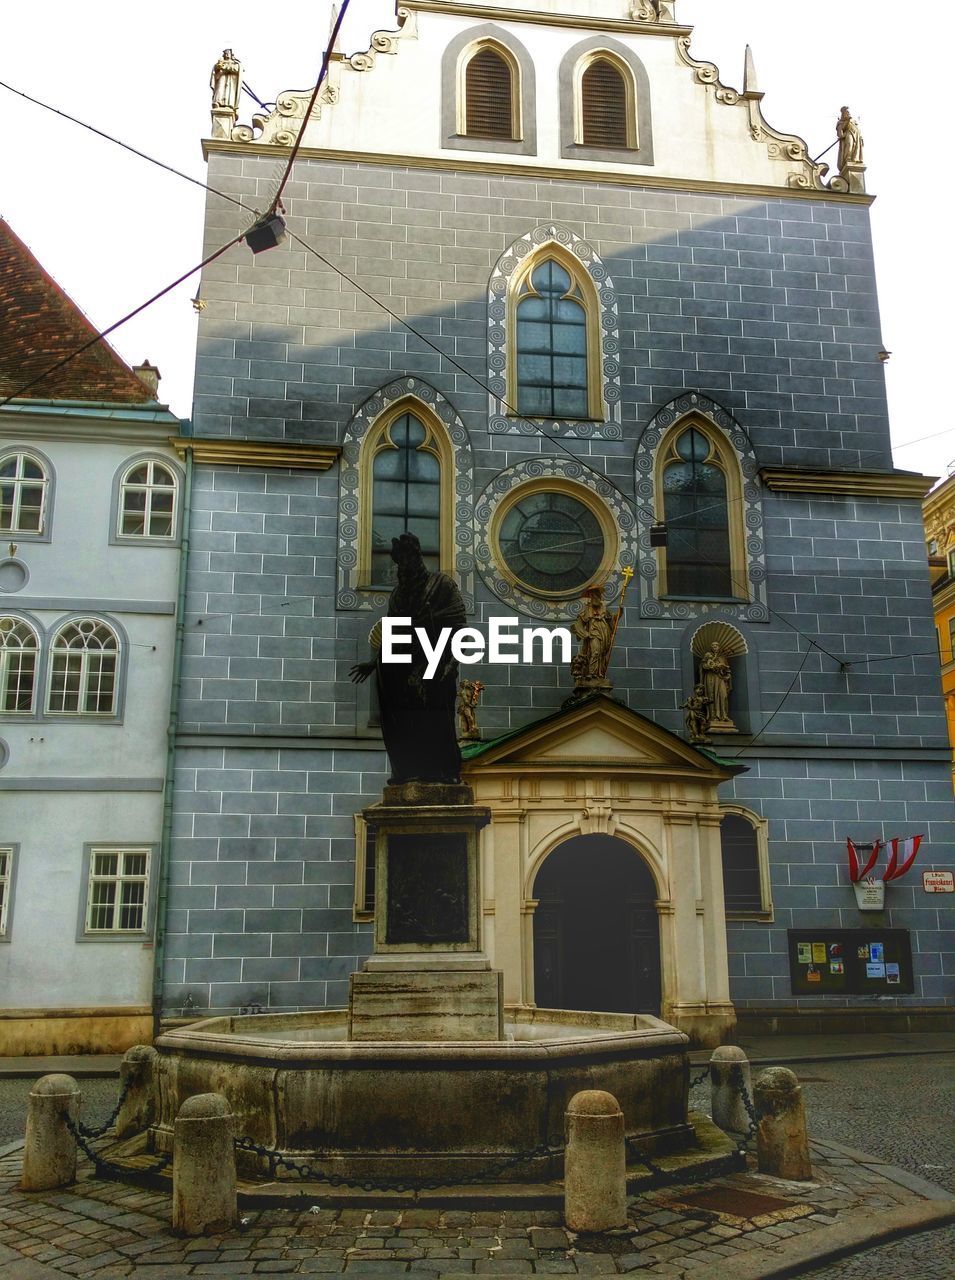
[596, 934]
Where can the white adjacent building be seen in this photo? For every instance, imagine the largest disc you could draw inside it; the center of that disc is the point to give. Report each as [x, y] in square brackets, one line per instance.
[91, 510]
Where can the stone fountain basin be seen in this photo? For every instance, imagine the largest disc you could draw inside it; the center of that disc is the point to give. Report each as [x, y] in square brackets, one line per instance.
[425, 1108]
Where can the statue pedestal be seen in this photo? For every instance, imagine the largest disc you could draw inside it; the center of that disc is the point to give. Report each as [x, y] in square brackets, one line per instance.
[428, 978]
[721, 726]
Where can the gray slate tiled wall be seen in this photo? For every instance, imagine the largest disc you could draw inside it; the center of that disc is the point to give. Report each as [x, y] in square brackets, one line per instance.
[767, 307]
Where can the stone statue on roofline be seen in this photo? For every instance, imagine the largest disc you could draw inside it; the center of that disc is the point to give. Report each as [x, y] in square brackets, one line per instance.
[697, 718]
[851, 161]
[469, 694]
[225, 83]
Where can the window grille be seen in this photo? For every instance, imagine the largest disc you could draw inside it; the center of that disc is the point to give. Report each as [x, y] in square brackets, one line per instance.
[148, 507]
[603, 106]
[84, 668]
[696, 512]
[552, 346]
[489, 96]
[23, 485]
[6, 874]
[118, 889]
[19, 650]
[742, 886]
[406, 495]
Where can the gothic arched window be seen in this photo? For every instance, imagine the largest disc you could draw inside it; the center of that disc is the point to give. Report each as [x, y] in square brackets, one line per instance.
[490, 107]
[555, 342]
[700, 506]
[406, 470]
[606, 111]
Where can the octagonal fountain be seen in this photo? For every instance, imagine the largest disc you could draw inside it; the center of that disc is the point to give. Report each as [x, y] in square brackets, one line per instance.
[425, 1075]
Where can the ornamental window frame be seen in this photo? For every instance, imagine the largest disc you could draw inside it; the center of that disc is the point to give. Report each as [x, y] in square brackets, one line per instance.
[363, 439]
[90, 877]
[724, 459]
[748, 546]
[22, 453]
[586, 497]
[631, 116]
[117, 507]
[760, 828]
[598, 297]
[514, 72]
[457, 55]
[640, 112]
[438, 446]
[6, 652]
[572, 477]
[9, 859]
[114, 713]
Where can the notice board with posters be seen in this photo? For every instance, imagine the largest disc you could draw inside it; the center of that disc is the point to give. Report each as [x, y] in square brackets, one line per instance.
[856, 962]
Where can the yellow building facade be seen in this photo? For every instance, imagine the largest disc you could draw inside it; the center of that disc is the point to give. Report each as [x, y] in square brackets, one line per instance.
[939, 509]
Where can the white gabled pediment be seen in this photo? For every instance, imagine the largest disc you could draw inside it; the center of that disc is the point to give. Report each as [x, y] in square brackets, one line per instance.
[599, 731]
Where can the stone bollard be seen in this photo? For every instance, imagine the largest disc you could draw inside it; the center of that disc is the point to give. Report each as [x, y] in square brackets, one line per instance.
[49, 1153]
[203, 1166]
[782, 1148]
[726, 1088]
[138, 1071]
[595, 1163]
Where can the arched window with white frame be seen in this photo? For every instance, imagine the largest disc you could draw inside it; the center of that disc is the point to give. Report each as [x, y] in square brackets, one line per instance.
[24, 483]
[149, 499]
[19, 659]
[84, 669]
[747, 893]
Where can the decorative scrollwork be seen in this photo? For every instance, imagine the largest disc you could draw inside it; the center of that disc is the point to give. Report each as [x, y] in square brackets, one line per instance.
[386, 42]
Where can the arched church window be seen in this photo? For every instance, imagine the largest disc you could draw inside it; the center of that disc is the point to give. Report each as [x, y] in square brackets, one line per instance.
[407, 472]
[606, 112]
[490, 104]
[745, 865]
[700, 506]
[556, 337]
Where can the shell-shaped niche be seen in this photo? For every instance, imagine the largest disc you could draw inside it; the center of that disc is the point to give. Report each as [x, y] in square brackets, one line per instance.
[722, 633]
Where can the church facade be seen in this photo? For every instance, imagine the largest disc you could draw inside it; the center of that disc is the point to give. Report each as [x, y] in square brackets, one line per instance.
[563, 304]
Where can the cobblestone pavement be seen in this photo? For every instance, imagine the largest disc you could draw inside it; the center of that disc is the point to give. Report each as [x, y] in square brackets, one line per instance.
[896, 1110]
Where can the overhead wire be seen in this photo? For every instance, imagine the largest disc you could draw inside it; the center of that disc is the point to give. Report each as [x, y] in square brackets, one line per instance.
[359, 288]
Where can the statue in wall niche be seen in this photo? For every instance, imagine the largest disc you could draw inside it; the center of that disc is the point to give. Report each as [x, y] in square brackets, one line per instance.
[594, 627]
[225, 82]
[697, 719]
[716, 676]
[469, 694]
[418, 715]
[851, 145]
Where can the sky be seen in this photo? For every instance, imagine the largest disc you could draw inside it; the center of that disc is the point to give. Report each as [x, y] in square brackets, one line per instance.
[113, 230]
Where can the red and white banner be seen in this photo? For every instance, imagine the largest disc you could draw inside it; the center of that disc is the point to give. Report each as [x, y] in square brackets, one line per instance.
[854, 873]
[906, 849]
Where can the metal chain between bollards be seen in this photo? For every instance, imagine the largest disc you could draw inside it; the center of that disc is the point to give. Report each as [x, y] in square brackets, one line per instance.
[305, 1170]
[104, 1167]
[99, 1130]
[736, 1079]
[698, 1080]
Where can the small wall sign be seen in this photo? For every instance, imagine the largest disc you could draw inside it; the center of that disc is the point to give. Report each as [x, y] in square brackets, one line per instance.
[870, 894]
[938, 882]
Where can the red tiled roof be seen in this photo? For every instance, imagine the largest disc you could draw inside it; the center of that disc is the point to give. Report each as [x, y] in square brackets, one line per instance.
[39, 325]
